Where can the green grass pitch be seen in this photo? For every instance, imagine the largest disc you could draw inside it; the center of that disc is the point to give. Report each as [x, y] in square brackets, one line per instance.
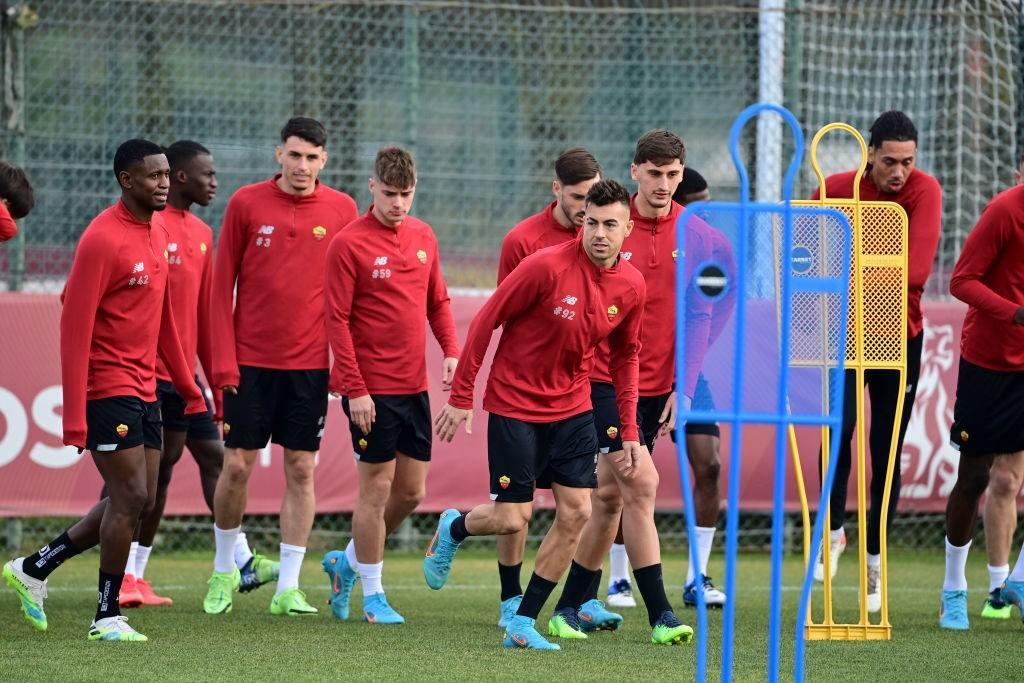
[452, 635]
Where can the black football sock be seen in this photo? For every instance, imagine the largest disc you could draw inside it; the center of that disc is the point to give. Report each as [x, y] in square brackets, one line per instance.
[110, 590]
[41, 563]
[510, 583]
[458, 529]
[652, 589]
[537, 593]
[595, 586]
[577, 584]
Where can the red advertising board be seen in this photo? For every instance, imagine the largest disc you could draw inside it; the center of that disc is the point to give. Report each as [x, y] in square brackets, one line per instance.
[39, 476]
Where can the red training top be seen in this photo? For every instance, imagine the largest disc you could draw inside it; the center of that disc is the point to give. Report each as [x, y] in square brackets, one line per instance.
[989, 278]
[116, 314]
[921, 198]
[651, 248]
[529, 235]
[382, 283]
[556, 306]
[190, 270]
[273, 245]
[8, 228]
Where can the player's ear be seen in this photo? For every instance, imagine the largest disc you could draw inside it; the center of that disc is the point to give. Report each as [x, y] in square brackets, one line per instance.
[370, 184]
[124, 179]
[323, 157]
[279, 153]
[634, 171]
[556, 188]
[629, 227]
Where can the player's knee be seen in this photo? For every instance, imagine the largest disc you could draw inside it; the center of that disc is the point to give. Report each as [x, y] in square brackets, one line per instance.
[412, 497]
[973, 482]
[710, 471]
[513, 518]
[643, 491]
[1003, 483]
[607, 500]
[130, 498]
[575, 514]
[236, 470]
[299, 473]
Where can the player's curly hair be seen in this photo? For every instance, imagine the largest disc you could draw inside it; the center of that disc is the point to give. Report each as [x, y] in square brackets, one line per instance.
[892, 125]
[131, 152]
[660, 147]
[607, 191]
[396, 167]
[16, 189]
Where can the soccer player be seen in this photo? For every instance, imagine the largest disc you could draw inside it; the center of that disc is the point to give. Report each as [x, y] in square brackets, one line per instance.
[989, 410]
[576, 171]
[271, 357]
[693, 187]
[657, 169]
[1000, 512]
[16, 199]
[116, 318]
[190, 272]
[555, 308]
[891, 176]
[384, 282]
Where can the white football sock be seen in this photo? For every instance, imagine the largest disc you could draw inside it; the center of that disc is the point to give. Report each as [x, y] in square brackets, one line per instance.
[619, 563]
[224, 560]
[836, 536]
[370, 575]
[956, 567]
[129, 569]
[705, 538]
[141, 560]
[996, 576]
[350, 555]
[874, 561]
[1018, 569]
[242, 551]
[291, 565]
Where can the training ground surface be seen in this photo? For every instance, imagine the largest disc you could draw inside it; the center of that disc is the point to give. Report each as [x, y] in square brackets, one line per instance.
[451, 634]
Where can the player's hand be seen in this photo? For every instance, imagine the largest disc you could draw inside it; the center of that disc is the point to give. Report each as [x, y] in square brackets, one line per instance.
[448, 372]
[362, 412]
[447, 422]
[1018, 316]
[668, 416]
[233, 390]
[629, 457]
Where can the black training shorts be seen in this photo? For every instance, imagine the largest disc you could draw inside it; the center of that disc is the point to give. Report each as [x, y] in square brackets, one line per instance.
[198, 427]
[988, 417]
[522, 455]
[402, 425]
[608, 424]
[120, 422]
[287, 407]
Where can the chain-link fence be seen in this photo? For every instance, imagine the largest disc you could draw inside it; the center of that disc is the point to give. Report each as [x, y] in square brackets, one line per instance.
[486, 94]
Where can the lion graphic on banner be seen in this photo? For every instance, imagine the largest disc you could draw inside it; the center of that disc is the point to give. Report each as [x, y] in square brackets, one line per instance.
[928, 463]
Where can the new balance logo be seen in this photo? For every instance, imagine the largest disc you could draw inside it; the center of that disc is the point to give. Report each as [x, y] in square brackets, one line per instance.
[139, 267]
[265, 230]
[627, 255]
[380, 261]
[571, 300]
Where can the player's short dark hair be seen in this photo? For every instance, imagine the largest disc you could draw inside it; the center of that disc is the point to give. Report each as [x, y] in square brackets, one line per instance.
[576, 165]
[310, 130]
[133, 152]
[183, 151]
[892, 125]
[395, 166]
[660, 147]
[607, 191]
[16, 189]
